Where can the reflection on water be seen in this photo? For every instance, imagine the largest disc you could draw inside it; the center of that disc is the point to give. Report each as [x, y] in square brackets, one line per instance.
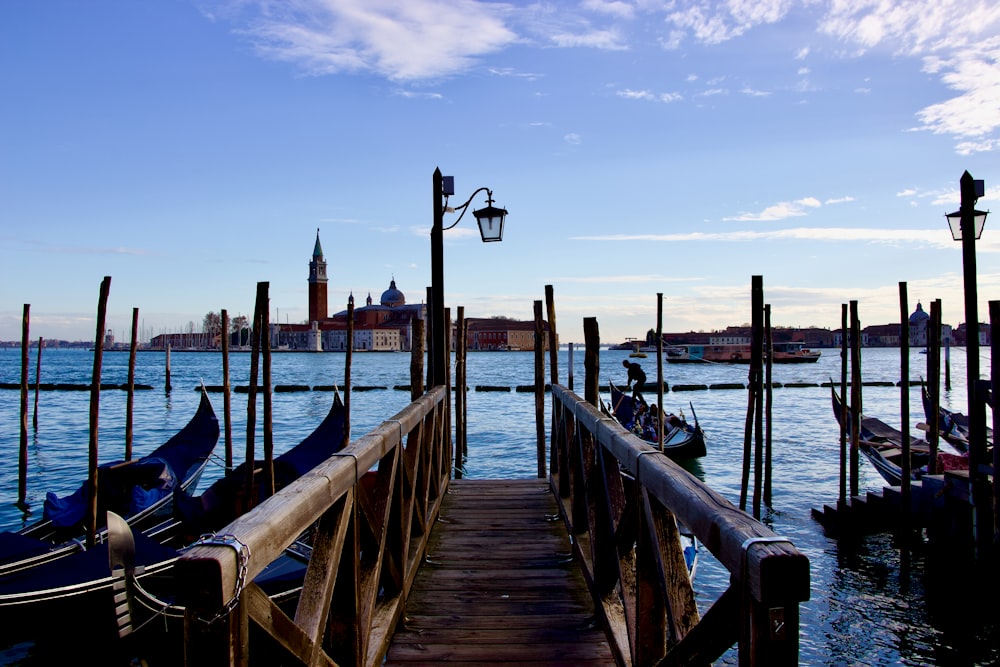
[865, 609]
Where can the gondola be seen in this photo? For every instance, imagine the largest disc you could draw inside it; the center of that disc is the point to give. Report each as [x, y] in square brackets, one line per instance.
[84, 581]
[953, 427]
[882, 445]
[140, 490]
[681, 440]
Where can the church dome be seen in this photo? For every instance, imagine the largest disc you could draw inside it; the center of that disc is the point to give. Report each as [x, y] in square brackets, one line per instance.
[392, 297]
[919, 315]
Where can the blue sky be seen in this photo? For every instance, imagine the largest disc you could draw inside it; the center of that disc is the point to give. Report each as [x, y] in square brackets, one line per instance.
[190, 149]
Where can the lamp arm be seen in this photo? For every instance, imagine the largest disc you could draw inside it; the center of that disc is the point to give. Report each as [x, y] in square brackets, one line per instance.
[465, 207]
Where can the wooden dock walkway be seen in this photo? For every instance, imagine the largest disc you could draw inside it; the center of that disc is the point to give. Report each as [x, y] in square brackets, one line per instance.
[499, 585]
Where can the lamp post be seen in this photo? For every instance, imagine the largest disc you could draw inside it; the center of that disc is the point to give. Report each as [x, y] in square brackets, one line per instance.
[490, 219]
[966, 226]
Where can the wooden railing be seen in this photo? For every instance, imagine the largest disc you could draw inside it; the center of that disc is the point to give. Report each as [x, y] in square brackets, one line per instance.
[370, 509]
[622, 501]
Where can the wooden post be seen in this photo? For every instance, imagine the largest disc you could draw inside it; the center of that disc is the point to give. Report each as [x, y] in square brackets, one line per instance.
[856, 406]
[553, 369]
[460, 448]
[994, 389]
[22, 477]
[348, 360]
[416, 358]
[226, 400]
[446, 379]
[553, 338]
[904, 407]
[38, 380]
[591, 361]
[250, 456]
[461, 380]
[95, 399]
[130, 401]
[429, 332]
[768, 400]
[659, 371]
[934, 383]
[754, 413]
[757, 381]
[464, 335]
[947, 364]
[166, 384]
[539, 390]
[843, 405]
[265, 346]
[569, 373]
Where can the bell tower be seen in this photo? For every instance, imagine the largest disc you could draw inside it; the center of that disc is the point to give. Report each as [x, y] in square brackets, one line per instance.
[317, 283]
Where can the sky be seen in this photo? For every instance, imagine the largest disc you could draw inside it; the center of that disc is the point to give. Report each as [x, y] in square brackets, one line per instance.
[648, 152]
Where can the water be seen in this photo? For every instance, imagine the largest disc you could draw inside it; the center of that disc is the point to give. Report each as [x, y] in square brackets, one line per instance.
[862, 611]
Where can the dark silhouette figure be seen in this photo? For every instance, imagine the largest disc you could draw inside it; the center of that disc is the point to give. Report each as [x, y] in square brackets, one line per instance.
[636, 375]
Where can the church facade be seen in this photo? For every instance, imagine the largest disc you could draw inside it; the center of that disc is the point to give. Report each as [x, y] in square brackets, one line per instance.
[386, 326]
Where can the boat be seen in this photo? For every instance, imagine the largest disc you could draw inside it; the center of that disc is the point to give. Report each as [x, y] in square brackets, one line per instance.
[85, 580]
[630, 344]
[139, 490]
[882, 445]
[737, 353]
[953, 427]
[681, 440]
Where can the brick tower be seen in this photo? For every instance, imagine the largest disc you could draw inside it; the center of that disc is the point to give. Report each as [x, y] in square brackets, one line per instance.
[317, 284]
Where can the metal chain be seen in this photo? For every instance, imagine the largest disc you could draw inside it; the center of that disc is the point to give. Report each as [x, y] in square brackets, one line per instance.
[243, 560]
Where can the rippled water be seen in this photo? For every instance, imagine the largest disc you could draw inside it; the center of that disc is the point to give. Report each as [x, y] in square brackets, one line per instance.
[862, 610]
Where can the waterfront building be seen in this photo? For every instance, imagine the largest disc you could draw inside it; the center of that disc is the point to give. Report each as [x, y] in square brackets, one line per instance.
[503, 333]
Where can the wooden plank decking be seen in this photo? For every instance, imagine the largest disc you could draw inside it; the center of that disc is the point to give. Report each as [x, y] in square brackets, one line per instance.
[500, 585]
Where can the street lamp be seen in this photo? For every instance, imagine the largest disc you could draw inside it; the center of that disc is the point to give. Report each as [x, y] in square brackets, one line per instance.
[490, 219]
[966, 226]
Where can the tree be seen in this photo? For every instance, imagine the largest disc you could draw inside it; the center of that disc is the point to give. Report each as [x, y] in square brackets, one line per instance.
[212, 324]
[240, 325]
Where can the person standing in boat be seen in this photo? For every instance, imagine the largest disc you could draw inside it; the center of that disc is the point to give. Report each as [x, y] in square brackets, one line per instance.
[636, 375]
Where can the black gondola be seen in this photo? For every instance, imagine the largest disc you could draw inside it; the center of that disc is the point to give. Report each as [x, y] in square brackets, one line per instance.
[681, 440]
[882, 445]
[85, 580]
[140, 490]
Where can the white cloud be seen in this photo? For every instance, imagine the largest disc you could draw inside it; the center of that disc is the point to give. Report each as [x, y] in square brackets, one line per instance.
[636, 94]
[779, 211]
[609, 40]
[974, 113]
[573, 139]
[939, 238]
[649, 95]
[400, 41]
[611, 7]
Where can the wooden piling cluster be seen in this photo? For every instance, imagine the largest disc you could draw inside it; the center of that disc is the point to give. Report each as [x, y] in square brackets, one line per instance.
[956, 509]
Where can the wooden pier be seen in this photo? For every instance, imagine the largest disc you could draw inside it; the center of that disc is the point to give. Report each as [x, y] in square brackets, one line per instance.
[583, 566]
[499, 585]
